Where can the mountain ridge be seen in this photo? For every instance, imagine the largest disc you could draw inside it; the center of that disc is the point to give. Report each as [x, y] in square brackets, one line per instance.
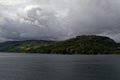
[85, 44]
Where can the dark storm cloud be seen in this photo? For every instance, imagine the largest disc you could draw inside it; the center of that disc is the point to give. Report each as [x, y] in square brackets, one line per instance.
[58, 19]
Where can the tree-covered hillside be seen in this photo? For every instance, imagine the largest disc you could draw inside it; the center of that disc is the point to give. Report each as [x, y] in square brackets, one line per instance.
[82, 45]
[22, 46]
[86, 44]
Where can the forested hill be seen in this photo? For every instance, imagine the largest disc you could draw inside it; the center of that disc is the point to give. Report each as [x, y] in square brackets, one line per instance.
[86, 44]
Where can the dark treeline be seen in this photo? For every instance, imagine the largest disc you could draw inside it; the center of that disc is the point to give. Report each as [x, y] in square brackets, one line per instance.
[86, 44]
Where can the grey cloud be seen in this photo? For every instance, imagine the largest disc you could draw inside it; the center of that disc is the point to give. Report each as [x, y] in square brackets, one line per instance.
[59, 19]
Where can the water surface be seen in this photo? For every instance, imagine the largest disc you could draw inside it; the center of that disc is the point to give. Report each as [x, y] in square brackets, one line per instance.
[17, 66]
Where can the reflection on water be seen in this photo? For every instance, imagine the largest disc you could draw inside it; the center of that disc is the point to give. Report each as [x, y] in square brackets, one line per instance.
[58, 67]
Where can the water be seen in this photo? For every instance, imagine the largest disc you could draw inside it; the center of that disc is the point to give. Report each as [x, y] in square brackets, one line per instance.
[15, 66]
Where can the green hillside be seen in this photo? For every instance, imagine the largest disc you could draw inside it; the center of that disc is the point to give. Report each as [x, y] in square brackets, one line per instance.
[86, 44]
[82, 45]
[22, 46]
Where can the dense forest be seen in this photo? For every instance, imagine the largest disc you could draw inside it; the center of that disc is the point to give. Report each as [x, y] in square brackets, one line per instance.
[85, 44]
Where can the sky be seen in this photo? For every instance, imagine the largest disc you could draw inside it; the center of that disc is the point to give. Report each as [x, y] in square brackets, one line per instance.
[58, 19]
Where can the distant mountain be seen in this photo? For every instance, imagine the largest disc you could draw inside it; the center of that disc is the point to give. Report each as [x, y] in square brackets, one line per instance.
[22, 46]
[86, 44]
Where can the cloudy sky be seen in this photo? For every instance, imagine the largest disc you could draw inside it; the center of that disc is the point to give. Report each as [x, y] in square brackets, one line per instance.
[58, 19]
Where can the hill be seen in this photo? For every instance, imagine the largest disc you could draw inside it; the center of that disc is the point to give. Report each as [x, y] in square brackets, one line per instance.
[86, 44]
[22, 46]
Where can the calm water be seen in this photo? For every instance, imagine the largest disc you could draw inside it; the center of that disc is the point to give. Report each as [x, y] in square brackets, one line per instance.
[59, 67]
